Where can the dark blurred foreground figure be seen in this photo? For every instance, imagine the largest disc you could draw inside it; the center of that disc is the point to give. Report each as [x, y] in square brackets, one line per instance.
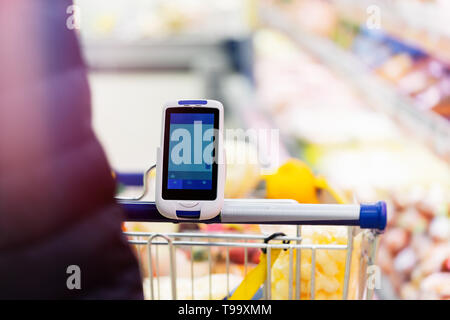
[56, 190]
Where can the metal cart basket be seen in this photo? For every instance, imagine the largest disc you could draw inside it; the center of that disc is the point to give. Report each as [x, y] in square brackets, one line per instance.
[365, 220]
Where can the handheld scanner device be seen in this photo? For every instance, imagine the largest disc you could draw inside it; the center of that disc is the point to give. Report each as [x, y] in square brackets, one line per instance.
[190, 174]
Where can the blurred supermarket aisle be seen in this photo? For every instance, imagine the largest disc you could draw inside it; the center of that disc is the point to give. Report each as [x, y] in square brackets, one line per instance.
[366, 108]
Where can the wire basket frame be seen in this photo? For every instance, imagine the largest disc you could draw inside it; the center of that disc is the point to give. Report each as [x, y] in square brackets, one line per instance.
[292, 244]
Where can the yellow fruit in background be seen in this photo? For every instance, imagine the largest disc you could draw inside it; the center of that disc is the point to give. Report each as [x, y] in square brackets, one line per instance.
[293, 180]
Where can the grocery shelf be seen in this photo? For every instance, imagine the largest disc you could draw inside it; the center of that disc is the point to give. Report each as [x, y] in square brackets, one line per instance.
[206, 56]
[417, 23]
[166, 53]
[430, 128]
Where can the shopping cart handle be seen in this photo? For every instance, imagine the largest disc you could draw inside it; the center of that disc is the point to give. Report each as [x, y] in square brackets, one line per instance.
[367, 216]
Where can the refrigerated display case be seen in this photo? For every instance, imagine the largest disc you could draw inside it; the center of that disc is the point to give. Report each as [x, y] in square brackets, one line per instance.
[350, 97]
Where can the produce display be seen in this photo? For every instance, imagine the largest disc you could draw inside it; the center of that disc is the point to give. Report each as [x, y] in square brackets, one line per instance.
[415, 74]
[365, 155]
[397, 54]
[415, 249]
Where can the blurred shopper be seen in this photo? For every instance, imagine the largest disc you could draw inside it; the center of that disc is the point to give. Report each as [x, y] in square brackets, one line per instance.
[57, 205]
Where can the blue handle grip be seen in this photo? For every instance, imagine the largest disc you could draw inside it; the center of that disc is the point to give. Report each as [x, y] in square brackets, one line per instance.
[130, 179]
[371, 216]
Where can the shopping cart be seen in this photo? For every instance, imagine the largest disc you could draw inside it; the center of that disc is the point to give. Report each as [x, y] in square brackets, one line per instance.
[366, 221]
